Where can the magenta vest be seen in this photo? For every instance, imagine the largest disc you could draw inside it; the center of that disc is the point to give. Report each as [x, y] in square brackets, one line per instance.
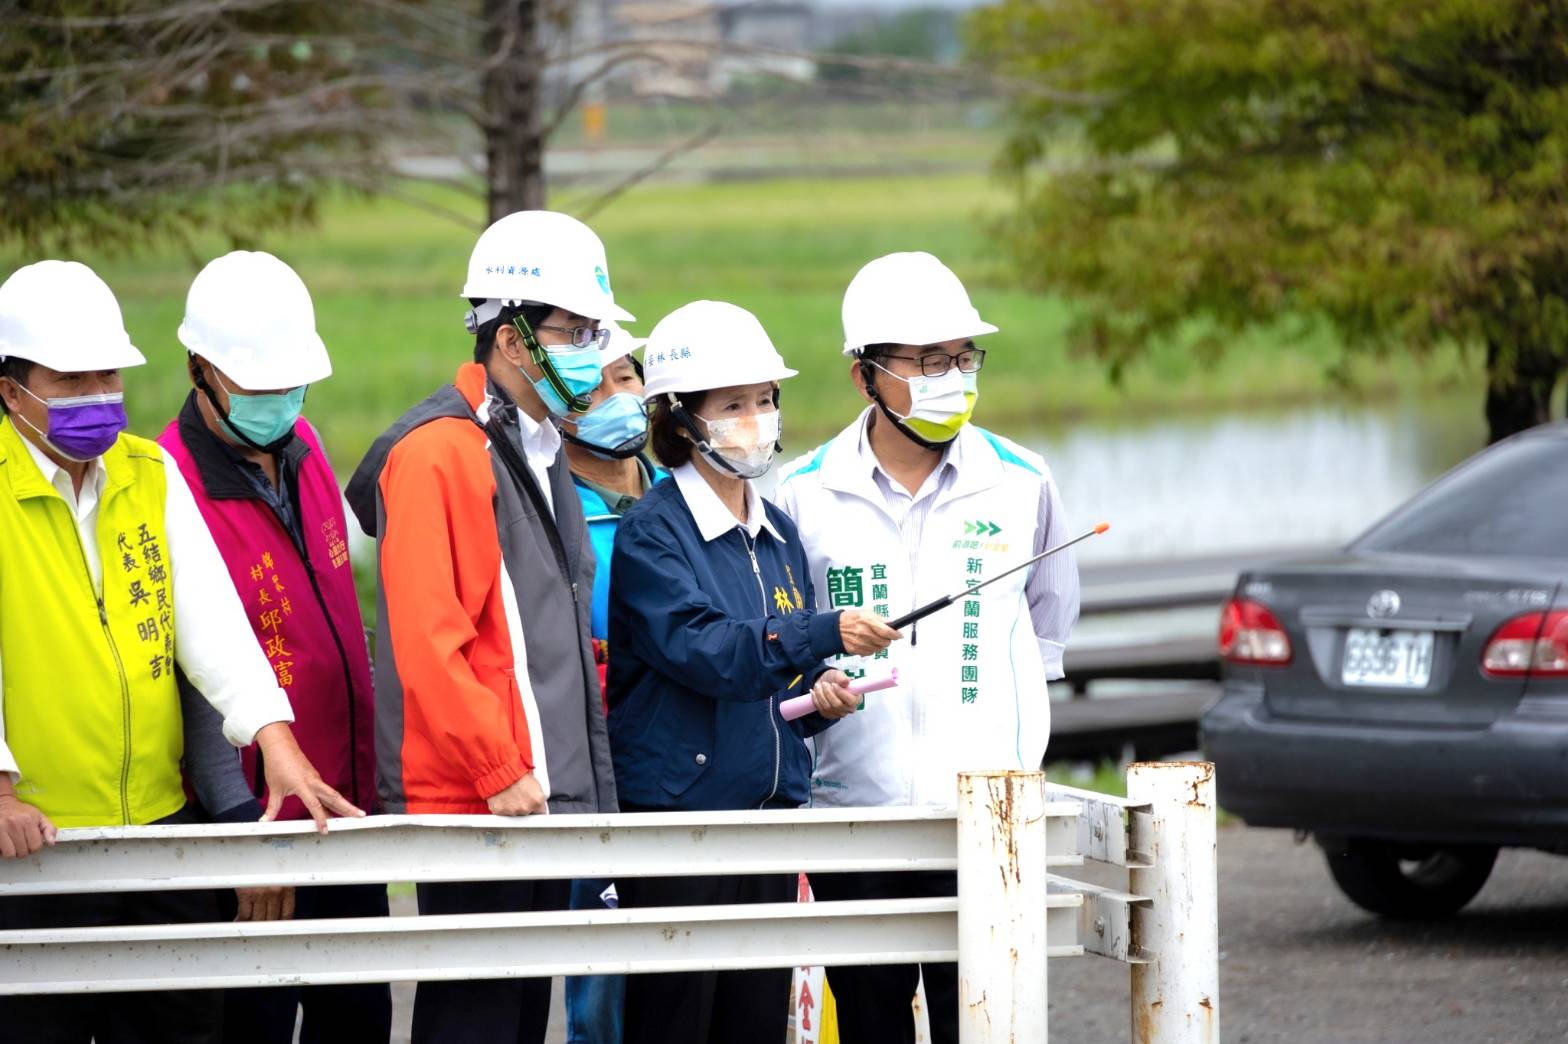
[305, 614]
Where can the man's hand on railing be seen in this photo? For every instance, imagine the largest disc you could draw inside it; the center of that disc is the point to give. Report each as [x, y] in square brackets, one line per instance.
[265, 904]
[23, 829]
[523, 798]
[290, 772]
[832, 696]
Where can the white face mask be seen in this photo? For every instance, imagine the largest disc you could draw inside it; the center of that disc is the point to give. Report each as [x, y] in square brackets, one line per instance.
[938, 406]
[744, 444]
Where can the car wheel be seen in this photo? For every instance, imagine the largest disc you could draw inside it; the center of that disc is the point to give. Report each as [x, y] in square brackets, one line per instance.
[1410, 882]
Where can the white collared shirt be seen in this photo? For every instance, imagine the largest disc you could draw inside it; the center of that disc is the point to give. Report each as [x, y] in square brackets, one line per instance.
[84, 507]
[898, 500]
[713, 518]
[213, 641]
[540, 440]
[541, 447]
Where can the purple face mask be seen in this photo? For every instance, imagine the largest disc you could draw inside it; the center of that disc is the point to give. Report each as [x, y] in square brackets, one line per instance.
[83, 427]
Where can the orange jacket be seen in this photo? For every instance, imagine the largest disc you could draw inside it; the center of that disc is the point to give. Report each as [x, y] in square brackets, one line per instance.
[468, 721]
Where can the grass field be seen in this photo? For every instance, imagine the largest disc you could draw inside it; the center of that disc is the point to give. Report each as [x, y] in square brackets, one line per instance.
[385, 277]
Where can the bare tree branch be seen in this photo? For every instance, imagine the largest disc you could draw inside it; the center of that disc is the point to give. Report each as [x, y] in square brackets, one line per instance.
[168, 13]
[664, 159]
[564, 109]
[470, 223]
[443, 19]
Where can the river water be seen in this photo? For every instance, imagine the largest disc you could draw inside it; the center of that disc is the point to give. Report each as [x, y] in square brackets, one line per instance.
[1299, 478]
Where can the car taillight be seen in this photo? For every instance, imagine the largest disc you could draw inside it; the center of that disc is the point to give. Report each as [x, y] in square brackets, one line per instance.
[1534, 644]
[1251, 634]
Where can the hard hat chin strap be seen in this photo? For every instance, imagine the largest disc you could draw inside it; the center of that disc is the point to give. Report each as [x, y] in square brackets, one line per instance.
[212, 400]
[699, 440]
[541, 357]
[488, 309]
[868, 374]
[626, 450]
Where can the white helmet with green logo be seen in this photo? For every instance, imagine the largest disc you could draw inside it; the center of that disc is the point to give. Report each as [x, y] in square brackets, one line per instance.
[541, 257]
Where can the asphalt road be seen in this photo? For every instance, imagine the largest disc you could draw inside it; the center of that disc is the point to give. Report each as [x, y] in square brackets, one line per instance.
[1300, 964]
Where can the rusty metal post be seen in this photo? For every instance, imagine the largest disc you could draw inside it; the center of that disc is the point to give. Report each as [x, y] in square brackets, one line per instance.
[1175, 996]
[1001, 907]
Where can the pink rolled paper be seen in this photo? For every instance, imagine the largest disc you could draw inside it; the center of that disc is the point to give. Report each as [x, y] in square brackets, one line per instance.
[800, 706]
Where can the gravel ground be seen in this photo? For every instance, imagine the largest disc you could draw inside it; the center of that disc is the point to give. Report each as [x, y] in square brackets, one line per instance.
[1300, 964]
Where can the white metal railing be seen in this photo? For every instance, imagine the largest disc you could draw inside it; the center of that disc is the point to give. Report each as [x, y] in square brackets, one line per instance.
[1009, 839]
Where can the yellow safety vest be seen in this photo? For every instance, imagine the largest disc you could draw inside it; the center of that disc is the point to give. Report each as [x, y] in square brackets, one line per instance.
[92, 713]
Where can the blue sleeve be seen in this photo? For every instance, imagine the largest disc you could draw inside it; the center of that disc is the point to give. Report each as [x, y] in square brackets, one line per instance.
[812, 723]
[674, 626]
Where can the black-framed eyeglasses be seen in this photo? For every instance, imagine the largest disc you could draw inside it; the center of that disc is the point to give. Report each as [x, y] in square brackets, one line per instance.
[935, 364]
[582, 336]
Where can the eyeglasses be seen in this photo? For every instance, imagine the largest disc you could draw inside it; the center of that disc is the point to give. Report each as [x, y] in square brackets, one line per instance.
[935, 364]
[581, 336]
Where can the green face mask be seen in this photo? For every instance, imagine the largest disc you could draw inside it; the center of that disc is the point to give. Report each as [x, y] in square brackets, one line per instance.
[262, 420]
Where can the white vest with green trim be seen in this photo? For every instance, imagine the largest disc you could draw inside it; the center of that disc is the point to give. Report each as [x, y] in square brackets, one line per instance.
[972, 692]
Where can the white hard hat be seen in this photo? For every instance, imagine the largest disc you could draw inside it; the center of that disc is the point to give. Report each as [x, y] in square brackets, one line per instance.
[544, 257]
[622, 343]
[908, 298]
[59, 314]
[250, 315]
[705, 345]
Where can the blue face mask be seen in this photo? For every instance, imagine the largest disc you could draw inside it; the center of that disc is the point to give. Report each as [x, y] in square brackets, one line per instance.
[262, 420]
[578, 372]
[615, 429]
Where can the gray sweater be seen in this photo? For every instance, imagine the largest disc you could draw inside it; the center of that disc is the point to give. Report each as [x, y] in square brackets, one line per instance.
[212, 763]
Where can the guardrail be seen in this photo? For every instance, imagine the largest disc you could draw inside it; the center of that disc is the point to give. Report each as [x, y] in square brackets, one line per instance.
[1123, 729]
[1139, 585]
[1008, 839]
[1167, 643]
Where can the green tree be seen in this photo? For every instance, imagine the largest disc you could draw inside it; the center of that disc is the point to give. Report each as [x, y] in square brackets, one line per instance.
[1398, 170]
[127, 119]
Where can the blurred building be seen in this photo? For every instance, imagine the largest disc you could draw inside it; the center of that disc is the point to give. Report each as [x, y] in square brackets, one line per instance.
[766, 38]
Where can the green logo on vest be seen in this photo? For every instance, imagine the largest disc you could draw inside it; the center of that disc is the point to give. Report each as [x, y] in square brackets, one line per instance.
[981, 528]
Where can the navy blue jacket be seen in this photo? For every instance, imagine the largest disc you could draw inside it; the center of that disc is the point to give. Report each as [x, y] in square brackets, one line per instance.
[705, 649]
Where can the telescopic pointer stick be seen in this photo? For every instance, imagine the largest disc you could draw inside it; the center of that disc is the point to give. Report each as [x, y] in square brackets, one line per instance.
[947, 600]
[800, 706]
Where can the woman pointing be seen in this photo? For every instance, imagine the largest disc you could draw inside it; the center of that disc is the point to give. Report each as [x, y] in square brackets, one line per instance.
[712, 622]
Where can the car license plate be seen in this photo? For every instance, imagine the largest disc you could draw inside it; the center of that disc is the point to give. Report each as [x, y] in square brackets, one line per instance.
[1388, 659]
